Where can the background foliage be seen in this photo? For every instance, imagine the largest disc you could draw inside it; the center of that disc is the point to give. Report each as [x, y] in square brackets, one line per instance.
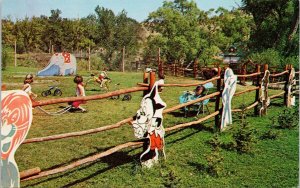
[266, 31]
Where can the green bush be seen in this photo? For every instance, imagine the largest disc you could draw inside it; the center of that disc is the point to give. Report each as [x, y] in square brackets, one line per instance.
[215, 163]
[244, 138]
[214, 159]
[287, 119]
[270, 134]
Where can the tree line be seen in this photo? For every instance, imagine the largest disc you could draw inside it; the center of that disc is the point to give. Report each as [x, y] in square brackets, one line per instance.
[265, 31]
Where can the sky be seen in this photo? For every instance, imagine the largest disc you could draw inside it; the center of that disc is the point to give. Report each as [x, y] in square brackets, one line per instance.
[137, 9]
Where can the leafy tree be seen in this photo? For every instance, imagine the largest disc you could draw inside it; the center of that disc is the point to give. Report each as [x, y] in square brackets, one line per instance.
[189, 33]
[8, 38]
[114, 32]
[276, 22]
[177, 22]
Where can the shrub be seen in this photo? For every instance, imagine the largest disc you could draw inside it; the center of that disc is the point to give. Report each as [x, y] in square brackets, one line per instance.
[287, 119]
[244, 138]
[270, 134]
[215, 163]
[214, 159]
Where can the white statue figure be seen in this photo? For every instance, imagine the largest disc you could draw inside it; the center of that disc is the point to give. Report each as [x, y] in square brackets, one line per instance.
[264, 98]
[229, 89]
[148, 123]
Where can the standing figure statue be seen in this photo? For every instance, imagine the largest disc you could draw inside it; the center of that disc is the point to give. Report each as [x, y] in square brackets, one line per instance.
[229, 89]
[16, 118]
[264, 98]
[148, 124]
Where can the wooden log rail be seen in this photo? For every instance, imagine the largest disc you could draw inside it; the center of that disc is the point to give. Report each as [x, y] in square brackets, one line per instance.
[247, 108]
[248, 75]
[182, 85]
[113, 126]
[112, 150]
[134, 143]
[277, 95]
[87, 98]
[279, 74]
[246, 91]
[274, 83]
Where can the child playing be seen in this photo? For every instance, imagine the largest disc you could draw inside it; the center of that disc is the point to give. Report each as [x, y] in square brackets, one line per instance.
[27, 87]
[104, 79]
[79, 93]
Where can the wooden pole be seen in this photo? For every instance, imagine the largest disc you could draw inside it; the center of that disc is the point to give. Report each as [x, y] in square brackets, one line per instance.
[123, 61]
[15, 53]
[287, 75]
[87, 98]
[217, 104]
[78, 133]
[152, 80]
[145, 81]
[52, 49]
[158, 56]
[30, 172]
[196, 68]
[266, 67]
[84, 160]
[256, 110]
[89, 58]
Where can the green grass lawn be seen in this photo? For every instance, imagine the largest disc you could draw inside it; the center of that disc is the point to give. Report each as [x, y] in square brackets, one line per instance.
[272, 163]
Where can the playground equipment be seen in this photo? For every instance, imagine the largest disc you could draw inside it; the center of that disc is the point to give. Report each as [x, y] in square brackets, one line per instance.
[60, 64]
[57, 91]
[147, 88]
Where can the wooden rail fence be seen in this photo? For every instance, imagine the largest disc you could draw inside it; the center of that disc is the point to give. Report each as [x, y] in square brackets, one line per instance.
[145, 87]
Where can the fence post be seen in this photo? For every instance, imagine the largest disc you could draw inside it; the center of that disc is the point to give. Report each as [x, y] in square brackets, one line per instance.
[89, 57]
[152, 80]
[195, 68]
[256, 110]
[145, 81]
[15, 53]
[243, 71]
[287, 75]
[217, 105]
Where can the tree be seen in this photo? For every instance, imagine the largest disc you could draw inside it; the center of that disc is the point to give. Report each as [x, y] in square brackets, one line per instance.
[114, 32]
[177, 23]
[275, 25]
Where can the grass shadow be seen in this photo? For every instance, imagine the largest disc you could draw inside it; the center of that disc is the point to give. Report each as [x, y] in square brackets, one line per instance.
[199, 167]
[113, 160]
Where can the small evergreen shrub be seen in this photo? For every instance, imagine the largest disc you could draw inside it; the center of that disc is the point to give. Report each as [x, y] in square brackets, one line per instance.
[214, 159]
[287, 119]
[244, 138]
[270, 134]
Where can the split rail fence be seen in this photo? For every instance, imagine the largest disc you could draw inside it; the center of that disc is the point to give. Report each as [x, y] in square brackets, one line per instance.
[148, 82]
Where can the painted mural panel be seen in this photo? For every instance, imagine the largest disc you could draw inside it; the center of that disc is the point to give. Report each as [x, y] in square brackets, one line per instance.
[16, 118]
[148, 124]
